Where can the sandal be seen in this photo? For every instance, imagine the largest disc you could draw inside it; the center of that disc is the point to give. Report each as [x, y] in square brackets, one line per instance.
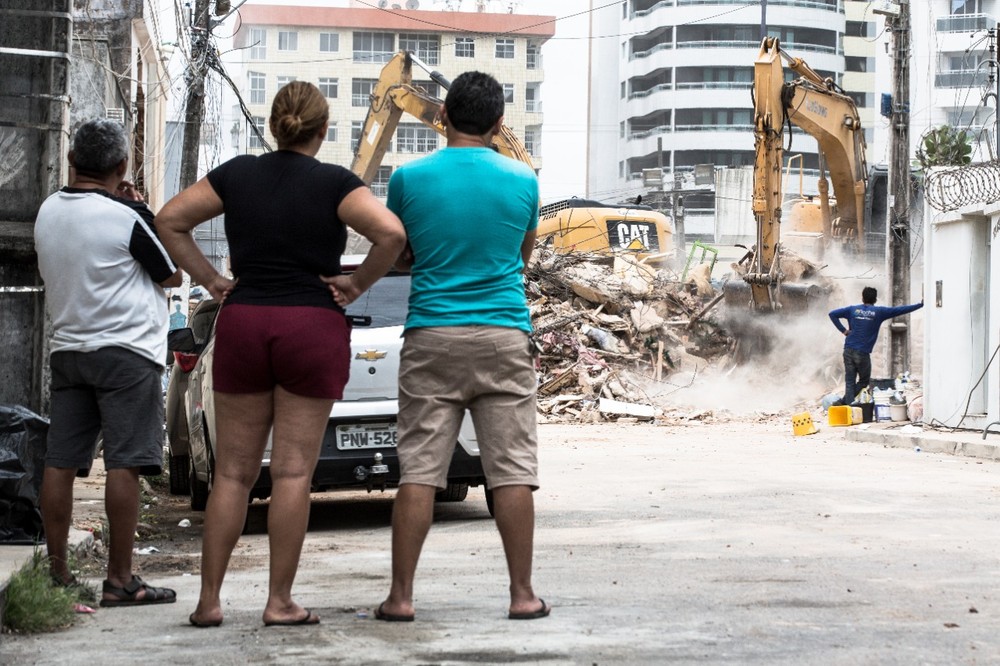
[83, 591]
[129, 594]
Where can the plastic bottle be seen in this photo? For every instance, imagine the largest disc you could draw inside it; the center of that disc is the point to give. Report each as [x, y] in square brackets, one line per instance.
[604, 339]
[863, 396]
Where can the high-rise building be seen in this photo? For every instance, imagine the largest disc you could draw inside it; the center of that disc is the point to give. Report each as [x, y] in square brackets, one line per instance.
[671, 86]
[343, 50]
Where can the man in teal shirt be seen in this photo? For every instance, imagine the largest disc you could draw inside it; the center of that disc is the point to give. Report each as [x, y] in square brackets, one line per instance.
[470, 216]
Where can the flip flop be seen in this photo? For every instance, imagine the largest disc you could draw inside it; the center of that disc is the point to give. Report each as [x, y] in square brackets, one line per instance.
[391, 617]
[203, 625]
[308, 619]
[532, 615]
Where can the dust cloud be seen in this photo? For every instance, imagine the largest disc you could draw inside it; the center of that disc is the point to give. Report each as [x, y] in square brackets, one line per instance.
[782, 362]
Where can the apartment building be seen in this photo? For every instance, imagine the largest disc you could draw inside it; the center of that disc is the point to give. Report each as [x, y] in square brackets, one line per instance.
[674, 88]
[953, 74]
[343, 50]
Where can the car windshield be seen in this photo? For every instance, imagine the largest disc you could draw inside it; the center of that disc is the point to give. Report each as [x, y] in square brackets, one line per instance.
[384, 303]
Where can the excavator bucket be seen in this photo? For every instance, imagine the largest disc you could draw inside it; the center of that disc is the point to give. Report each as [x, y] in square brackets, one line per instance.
[792, 298]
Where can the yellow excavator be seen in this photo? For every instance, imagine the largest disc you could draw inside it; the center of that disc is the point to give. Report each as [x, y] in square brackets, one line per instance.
[819, 107]
[575, 225]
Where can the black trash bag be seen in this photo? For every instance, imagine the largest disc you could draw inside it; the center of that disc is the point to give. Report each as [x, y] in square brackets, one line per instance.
[22, 463]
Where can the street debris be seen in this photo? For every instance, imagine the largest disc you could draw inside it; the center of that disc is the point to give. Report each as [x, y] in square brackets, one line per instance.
[615, 335]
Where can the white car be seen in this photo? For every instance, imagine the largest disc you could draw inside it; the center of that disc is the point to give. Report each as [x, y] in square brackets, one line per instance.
[359, 447]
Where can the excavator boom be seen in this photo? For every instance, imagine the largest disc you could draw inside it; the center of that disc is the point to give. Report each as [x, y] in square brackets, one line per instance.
[818, 107]
[394, 95]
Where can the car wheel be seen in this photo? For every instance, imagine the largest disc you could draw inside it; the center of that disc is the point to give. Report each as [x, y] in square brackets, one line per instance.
[199, 492]
[454, 492]
[180, 476]
[489, 502]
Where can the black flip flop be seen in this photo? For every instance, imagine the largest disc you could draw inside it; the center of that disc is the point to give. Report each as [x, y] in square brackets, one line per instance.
[308, 619]
[532, 615]
[391, 617]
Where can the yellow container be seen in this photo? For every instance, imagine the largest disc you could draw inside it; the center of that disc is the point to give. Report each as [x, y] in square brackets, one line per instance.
[839, 415]
[802, 424]
[857, 416]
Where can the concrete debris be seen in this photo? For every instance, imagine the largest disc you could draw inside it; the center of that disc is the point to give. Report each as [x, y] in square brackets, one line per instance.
[615, 336]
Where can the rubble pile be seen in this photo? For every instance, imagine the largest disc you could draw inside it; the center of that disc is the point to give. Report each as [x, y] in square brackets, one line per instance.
[616, 336]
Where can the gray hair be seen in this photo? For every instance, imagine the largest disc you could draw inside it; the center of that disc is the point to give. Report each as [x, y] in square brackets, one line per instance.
[99, 146]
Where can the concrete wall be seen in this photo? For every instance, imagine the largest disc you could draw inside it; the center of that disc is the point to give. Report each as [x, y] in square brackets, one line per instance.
[961, 309]
[34, 65]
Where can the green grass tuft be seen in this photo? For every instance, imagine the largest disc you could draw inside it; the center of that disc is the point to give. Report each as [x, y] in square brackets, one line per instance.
[34, 603]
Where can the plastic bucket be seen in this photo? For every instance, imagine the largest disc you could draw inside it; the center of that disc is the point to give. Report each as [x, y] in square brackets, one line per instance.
[867, 411]
[898, 413]
[882, 412]
[839, 415]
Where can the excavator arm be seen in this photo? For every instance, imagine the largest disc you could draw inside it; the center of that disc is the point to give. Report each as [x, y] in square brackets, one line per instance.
[815, 105]
[395, 95]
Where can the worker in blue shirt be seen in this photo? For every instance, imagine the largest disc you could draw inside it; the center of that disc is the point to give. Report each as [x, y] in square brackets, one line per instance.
[863, 323]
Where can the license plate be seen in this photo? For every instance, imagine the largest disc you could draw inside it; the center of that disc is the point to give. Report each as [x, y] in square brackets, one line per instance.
[375, 436]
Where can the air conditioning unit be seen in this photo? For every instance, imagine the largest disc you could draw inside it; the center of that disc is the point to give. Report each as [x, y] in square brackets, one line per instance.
[885, 7]
[116, 113]
[412, 4]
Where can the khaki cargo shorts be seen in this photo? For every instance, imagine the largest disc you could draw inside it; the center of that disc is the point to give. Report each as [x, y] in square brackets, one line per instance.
[486, 369]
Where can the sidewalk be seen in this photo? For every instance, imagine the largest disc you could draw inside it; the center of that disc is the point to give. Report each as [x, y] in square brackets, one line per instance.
[915, 436]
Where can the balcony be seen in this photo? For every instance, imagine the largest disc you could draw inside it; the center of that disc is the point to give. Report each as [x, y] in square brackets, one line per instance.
[649, 91]
[648, 52]
[965, 23]
[962, 78]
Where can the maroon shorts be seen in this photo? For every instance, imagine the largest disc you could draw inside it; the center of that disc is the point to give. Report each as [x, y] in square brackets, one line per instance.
[304, 350]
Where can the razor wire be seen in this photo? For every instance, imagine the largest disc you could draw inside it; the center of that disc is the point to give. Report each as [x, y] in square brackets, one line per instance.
[974, 184]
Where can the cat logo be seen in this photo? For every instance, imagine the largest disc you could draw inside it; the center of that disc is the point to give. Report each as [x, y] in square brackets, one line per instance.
[370, 355]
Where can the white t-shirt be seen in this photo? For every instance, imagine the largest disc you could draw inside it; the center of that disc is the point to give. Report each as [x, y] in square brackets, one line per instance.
[101, 262]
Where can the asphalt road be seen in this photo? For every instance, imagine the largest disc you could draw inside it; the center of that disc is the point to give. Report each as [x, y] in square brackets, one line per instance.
[732, 543]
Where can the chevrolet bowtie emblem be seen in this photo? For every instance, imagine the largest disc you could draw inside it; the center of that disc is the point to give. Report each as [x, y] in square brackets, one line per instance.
[370, 355]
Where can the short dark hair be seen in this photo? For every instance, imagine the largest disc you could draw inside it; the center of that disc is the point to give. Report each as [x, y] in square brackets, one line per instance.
[868, 295]
[99, 146]
[474, 102]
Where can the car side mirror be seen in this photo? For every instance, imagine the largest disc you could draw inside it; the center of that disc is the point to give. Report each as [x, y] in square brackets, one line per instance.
[182, 340]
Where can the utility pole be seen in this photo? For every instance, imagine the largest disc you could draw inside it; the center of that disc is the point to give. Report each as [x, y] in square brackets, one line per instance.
[898, 238]
[194, 110]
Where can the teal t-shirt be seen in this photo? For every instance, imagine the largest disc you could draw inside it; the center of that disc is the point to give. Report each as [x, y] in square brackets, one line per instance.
[466, 211]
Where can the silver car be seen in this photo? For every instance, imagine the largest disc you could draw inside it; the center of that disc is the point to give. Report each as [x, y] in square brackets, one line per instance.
[359, 446]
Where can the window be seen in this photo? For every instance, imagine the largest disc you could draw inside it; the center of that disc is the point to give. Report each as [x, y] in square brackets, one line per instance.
[533, 57]
[361, 91]
[380, 183]
[328, 87]
[329, 42]
[253, 141]
[859, 64]
[331, 133]
[415, 138]
[374, 46]
[465, 47]
[258, 44]
[508, 93]
[425, 47]
[966, 7]
[623, 90]
[356, 127]
[284, 81]
[504, 49]
[621, 130]
[533, 140]
[532, 99]
[288, 41]
[257, 93]
[859, 28]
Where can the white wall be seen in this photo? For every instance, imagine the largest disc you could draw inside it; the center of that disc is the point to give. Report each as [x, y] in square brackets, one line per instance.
[959, 331]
